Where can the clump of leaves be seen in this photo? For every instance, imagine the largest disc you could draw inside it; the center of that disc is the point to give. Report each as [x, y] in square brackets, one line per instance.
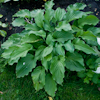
[2, 32]
[52, 42]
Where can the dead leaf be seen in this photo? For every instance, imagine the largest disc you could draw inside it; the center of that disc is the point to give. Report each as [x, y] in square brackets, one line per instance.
[1, 92]
[42, 5]
[44, 0]
[95, 9]
[6, 19]
[96, 13]
[91, 83]
[19, 9]
[50, 98]
[10, 28]
[99, 88]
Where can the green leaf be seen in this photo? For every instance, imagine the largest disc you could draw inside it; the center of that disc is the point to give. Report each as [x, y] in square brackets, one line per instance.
[39, 17]
[72, 15]
[3, 62]
[73, 65]
[47, 51]
[48, 27]
[23, 32]
[21, 51]
[30, 38]
[39, 33]
[98, 60]
[90, 61]
[75, 28]
[63, 25]
[45, 64]
[76, 57]
[88, 35]
[6, 1]
[6, 44]
[59, 49]
[22, 13]
[1, 1]
[95, 30]
[14, 53]
[32, 27]
[62, 36]
[38, 77]
[57, 69]
[80, 45]
[93, 43]
[49, 13]
[4, 25]
[15, 0]
[90, 73]
[13, 40]
[33, 12]
[59, 14]
[0, 23]
[46, 61]
[16, 37]
[3, 33]
[81, 74]
[19, 22]
[48, 57]
[74, 62]
[25, 65]
[49, 39]
[69, 46]
[96, 78]
[87, 80]
[76, 6]
[6, 54]
[54, 21]
[50, 85]
[49, 4]
[1, 15]
[39, 51]
[90, 20]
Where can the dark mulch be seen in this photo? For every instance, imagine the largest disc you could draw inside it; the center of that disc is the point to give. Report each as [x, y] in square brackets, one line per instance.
[10, 8]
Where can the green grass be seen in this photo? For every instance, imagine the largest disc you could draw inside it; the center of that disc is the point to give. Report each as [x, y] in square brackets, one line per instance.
[22, 89]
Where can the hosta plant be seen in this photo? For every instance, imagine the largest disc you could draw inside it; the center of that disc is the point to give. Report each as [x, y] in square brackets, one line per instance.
[52, 42]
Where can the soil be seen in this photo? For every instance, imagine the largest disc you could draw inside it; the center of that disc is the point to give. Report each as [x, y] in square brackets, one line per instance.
[10, 8]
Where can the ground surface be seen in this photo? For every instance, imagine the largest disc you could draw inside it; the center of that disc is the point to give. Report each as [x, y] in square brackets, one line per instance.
[22, 88]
